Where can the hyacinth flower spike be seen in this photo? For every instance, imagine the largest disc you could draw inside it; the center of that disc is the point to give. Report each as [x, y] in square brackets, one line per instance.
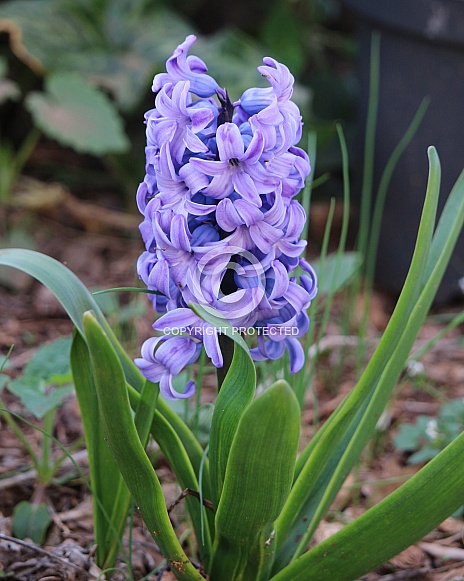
[221, 224]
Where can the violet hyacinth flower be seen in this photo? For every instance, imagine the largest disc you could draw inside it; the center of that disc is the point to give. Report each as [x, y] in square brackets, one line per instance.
[221, 223]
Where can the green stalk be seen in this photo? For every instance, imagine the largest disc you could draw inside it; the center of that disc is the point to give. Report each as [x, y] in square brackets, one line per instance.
[306, 195]
[21, 437]
[369, 144]
[374, 234]
[305, 376]
[46, 473]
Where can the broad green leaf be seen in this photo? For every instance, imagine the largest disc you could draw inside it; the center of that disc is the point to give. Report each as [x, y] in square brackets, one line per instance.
[77, 115]
[76, 299]
[336, 272]
[34, 395]
[128, 451]
[51, 362]
[390, 527]
[257, 482]
[117, 44]
[190, 443]
[31, 521]
[237, 392]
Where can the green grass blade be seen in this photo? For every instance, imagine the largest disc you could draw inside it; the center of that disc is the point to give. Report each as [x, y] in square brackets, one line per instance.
[390, 527]
[258, 479]
[311, 150]
[369, 145]
[128, 451]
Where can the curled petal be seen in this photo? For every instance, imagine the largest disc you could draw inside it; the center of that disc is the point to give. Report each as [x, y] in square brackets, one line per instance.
[212, 348]
[246, 187]
[175, 353]
[309, 281]
[297, 297]
[181, 68]
[168, 392]
[296, 352]
[159, 278]
[296, 220]
[195, 180]
[249, 213]
[278, 274]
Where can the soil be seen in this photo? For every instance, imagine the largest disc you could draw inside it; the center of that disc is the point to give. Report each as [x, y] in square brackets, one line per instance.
[101, 248]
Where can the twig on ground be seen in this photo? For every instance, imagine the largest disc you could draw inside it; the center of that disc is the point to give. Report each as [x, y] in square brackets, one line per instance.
[406, 574]
[437, 550]
[36, 549]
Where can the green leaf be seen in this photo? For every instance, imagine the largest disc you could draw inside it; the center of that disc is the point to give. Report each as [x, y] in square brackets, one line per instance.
[128, 451]
[327, 460]
[183, 454]
[237, 392]
[105, 477]
[116, 44]
[77, 115]
[176, 456]
[51, 362]
[336, 272]
[34, 396]
[390, 527]
[257, 482]
[31, 521]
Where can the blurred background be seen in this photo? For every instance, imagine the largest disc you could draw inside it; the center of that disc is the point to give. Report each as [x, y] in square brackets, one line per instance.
[75, 81]
[115, 47]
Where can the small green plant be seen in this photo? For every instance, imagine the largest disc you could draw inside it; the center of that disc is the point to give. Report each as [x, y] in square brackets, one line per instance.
[428, 435]
[73, 113]
[42, 388]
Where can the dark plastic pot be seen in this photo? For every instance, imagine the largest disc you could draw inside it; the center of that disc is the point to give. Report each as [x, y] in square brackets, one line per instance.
[421, 54]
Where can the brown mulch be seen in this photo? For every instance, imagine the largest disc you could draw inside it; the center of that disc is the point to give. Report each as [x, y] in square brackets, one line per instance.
[104, 255]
